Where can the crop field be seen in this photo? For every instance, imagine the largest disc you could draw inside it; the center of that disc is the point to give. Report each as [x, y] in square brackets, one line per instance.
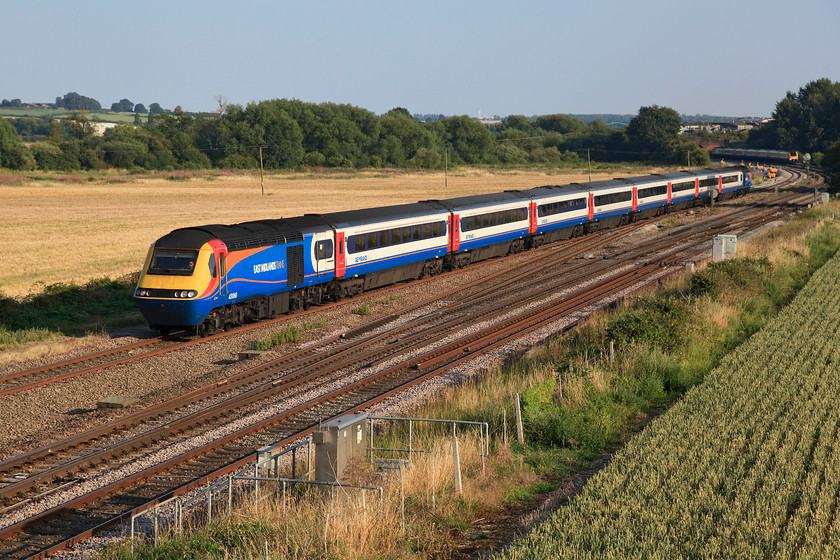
[103, 116]
[747, 465]
[67, 228]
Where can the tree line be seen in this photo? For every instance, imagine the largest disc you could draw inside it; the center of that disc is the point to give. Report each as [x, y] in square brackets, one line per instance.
[292, 134]
[807, 121]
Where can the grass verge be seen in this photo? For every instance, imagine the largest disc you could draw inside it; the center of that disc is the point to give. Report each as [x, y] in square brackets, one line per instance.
[66, 309]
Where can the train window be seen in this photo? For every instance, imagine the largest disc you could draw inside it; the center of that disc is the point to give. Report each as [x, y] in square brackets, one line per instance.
[384, 238]
[613, 198]
[437, 229]
[177, 262]
[406, 234]
[730, 179]
[416, 233]
[212, 265]
[427, 231]
[351, 243]
[653, 191]
[371, 241]
[466, 223]
[324, 249]
[684, 186]
[396, 236]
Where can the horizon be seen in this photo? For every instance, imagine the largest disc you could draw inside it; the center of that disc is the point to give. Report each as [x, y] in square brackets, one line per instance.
[106, 109]
[532, 58]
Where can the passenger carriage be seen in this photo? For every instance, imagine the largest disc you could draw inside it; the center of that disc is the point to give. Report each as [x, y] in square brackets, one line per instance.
[611, 203]
[486, 226]
[557, 212]
[380, 246]
[651, 196]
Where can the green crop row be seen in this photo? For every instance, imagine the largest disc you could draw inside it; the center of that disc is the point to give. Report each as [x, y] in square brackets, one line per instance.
[746, 465]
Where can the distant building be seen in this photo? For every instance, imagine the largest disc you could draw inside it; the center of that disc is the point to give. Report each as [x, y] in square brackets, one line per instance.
[99, 128]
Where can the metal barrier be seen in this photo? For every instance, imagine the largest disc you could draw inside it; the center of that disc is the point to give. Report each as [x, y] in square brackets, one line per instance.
[484, 431]
[215, 493]
[269, 461]
[290, 482]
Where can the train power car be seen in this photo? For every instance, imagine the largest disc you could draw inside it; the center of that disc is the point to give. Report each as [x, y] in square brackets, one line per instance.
[195, 276]
[211, 277]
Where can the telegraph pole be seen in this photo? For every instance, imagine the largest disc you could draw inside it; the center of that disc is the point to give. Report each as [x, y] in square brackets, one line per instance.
[262, 183]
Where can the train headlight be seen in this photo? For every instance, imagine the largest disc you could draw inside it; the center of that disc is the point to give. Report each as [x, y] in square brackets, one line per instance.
[192, 293]
[142, 292]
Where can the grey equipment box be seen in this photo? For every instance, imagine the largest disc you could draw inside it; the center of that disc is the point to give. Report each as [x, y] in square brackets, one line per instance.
[337, 443]
[724, 247]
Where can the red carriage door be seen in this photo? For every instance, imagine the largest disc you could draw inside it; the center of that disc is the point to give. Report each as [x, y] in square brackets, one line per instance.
[532, 218]
[454, 232]
[339, 254]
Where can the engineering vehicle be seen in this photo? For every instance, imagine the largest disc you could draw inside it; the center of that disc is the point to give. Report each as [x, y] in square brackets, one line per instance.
[772, 156]
[212, 277]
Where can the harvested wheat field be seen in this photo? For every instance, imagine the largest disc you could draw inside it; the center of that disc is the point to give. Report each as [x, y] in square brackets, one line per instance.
[72, 230]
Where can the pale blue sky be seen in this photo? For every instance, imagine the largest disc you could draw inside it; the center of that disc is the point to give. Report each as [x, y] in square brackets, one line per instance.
[528, 57]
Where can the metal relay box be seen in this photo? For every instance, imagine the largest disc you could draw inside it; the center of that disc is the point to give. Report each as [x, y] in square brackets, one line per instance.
[337, 443]
[724, 247]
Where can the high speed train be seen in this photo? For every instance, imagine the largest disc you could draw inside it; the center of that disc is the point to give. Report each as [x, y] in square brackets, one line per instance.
[205, 278]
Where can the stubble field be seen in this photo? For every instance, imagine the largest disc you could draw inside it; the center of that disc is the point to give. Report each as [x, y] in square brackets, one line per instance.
[72, 230]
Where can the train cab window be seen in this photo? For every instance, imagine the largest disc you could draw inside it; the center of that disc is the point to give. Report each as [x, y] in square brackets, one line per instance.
[177, 262]
[212, 265]
[324, 249]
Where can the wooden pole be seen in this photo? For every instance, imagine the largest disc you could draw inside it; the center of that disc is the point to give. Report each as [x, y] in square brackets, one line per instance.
[446, 168]
[520, 433]
[456, 464]
[262, 183]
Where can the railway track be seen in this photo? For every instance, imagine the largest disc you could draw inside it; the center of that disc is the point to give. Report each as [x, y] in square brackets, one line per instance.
[20, 481]
[25, 380]
[298, 369]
